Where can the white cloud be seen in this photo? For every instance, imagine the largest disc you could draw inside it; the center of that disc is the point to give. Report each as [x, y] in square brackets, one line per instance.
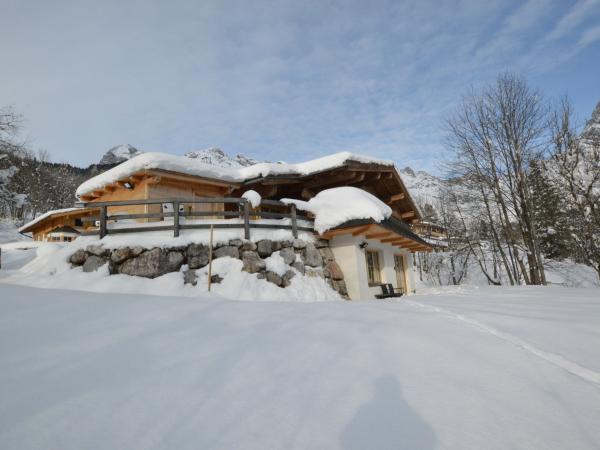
[574, 17]
[589, 36]
[278, 80]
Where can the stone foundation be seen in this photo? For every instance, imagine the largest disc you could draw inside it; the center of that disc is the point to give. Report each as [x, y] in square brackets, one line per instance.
[307, 258]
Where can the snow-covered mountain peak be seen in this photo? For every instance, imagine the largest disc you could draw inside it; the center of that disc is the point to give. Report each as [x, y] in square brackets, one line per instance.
[408, 171]
[591, 132]
[423, 186]
[217, 157]
[119, 154]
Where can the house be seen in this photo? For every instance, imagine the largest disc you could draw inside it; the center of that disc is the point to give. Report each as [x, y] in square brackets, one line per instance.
[155, 191]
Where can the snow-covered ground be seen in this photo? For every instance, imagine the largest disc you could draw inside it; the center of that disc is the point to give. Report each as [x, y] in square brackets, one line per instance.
[45, 265]
[487, 368]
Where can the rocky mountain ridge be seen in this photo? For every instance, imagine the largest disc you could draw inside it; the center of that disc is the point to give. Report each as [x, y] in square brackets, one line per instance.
[119, 154]
[213, 156]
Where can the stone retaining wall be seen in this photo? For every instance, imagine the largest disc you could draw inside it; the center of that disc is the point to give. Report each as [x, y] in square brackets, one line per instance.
[306, 258]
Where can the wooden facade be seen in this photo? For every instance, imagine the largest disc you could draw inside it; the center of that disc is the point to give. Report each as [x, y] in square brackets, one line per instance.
[42, 230]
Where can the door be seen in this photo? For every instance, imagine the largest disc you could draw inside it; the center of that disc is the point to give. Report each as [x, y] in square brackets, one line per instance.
[400, 272]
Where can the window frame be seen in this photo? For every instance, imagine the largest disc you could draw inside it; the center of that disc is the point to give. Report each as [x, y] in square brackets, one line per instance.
[373, 273]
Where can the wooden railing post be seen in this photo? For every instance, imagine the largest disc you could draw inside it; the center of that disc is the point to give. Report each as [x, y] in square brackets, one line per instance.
[246, 220]
[176, 219]
[294, 221]
[102, 221]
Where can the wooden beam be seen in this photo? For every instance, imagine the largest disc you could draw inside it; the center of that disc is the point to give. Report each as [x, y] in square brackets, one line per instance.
[369, 168]
[266, 191]
[396, 197]
[166, 174]
[396, 238]
[405, 245]
[321, 181]
[408, 214]
[154, 180]
[280, 181]
[357, 179]
[361, 230]
[399, 243]
[331, 233]
[378, 235]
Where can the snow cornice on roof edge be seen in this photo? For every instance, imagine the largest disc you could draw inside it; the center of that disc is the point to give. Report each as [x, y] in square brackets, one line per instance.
[187, 166]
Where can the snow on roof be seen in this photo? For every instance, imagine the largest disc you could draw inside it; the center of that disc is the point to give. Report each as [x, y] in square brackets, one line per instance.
[45, 216]
[181, 164]
[333, 207]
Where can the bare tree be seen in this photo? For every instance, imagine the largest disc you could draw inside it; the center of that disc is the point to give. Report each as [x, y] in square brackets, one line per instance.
[494, 136]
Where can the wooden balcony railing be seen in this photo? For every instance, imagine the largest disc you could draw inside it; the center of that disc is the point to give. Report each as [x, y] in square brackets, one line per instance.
[241, 210]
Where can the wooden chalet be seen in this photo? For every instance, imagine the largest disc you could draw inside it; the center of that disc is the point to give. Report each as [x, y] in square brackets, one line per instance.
[152, 188]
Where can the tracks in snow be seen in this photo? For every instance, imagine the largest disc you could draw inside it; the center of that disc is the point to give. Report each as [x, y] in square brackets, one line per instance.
[552, 358]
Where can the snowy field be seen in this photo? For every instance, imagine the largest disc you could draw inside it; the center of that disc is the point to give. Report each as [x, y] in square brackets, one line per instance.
[480, 368]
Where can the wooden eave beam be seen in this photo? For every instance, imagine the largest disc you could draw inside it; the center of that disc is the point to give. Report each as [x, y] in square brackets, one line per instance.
[378, 235]
[166, 174]
[362, 230]
[331, 180]
[396, 197]
[268, 190]
[407, 214]
[396, 238]
[136, 178]
[369, 168]
[404, 241]
[270, 181]
[409, 246]
[351, 230]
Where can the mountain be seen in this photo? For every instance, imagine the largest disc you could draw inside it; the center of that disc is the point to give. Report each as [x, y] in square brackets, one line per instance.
[119, 154]
[591, 132]
[423, 186]
[213, 156]
[217, 157]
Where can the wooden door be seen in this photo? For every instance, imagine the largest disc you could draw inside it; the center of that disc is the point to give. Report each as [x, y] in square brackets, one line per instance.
[399, 267]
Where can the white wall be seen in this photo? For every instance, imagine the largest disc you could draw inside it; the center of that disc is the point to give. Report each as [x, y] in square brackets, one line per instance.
[352, 261]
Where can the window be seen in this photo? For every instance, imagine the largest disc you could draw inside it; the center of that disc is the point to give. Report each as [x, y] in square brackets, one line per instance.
[373, 267]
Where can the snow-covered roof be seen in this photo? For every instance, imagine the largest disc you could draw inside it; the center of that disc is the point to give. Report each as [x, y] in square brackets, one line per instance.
[333, 207]
[45, 216]
[188, 166]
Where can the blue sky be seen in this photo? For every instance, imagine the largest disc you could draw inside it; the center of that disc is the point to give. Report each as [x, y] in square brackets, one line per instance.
[279, 80]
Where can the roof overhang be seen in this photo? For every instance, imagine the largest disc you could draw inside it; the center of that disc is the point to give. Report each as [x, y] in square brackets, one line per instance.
[50, 215]
[390, 231]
